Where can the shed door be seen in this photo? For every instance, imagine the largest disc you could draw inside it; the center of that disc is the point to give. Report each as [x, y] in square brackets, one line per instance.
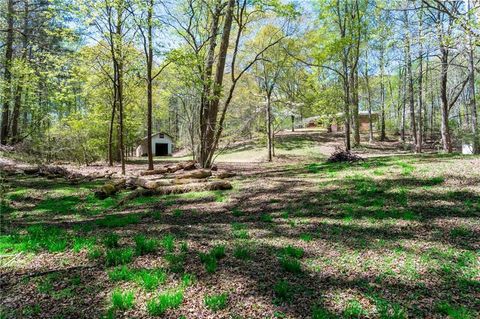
[161, 149]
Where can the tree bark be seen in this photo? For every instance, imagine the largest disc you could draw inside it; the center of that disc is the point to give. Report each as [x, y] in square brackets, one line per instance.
[369, 100]
[419, 144]
[472, 89]
[20, 86]
[382, 93]
[4, 132]
[269, 127]
[411, 98]
[212, 110]
[149, 84]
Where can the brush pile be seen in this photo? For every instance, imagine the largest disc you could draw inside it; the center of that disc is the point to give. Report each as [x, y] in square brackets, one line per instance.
[342, 156]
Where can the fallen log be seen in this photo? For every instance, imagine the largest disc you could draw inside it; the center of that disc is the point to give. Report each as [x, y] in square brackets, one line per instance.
[196, 174]
[157, 171]
[153, 184]
[177, 189]
[110, 189]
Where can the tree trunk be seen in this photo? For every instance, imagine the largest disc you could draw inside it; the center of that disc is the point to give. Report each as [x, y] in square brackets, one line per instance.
[346, 107]
[404, 101]
[207, 79]
[472, 90]
[420, 85]
[382, 93]
[269, 127]
[4, 132]
[369, 99]
[20, 86]
[411, 98]
[149, 85]
[355, 107]
[292, 117]
[446, 140]
[212, 110]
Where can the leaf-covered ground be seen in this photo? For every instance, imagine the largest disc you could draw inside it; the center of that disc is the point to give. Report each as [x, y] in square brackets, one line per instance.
[391, 237]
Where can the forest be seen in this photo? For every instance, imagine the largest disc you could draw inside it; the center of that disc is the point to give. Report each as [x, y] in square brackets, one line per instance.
[239, 159]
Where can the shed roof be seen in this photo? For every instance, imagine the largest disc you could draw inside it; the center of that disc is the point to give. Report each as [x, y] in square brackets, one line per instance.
[157, 133]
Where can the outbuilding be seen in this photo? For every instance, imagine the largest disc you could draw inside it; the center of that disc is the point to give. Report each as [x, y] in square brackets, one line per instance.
[162, 145]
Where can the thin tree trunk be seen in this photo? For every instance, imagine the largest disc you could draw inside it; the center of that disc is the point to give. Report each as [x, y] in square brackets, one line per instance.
[404, 101]
[269, 127]
[369, 99]
[446, 140]
[149, 85]
[420, 85]
[4, 132]
[20, 86]
[355, 107]
[411, 98]
[382, 93]
[472, 90]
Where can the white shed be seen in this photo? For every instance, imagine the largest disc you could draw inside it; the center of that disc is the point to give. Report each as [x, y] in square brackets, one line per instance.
[162, 145]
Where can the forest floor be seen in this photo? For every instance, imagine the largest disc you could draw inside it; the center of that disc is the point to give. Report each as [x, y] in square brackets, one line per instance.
[395, 236]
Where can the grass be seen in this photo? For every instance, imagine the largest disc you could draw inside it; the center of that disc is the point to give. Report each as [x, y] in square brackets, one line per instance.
[283, 290]
[151, 279]
[168, 300]
[122, 300]
[121, 273]
[454, 312]
[210, 259]
[176, 262]
[378, 226]
[111, 240]
[37, 238]
[168, 243]
[290, 264]
[242, 252]
[266, 218]
[216, 302]
[293, 252]
[118, 256]
[144, 245]
[112, 221]
[354, 309]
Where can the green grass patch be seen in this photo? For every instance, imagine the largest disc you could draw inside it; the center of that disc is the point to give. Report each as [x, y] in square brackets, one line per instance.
[168, 243]
[122, 300]
[291, 251]
[266, 218]
[115, 221]
[168, 300]
[151, 279]
[216, 302]
[454, 312]
[242, 252]
[121, 273]
[118, 256]
[111, 240]
[290, 264]
[284, 291]
[144, 245]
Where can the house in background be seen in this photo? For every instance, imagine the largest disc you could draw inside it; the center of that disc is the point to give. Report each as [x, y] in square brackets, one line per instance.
[162, 145]
[363, 117]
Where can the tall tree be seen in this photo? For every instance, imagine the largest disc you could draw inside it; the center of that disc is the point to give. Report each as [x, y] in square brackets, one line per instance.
[7, 77]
